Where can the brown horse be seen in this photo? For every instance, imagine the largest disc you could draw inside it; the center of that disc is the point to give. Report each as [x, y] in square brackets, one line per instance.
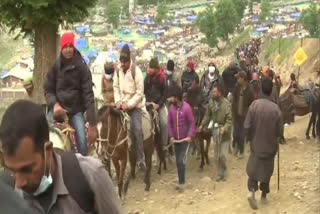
[113, 142]
[202, 136]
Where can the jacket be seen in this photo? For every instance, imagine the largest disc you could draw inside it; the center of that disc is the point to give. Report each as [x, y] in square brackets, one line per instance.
[263, 126]
[71, 87]
[248, 98]
[219, 112]
[229, 78]
[181, 122]
[186, 80]
[107, 91]
[207, 85]
[129, 88]
[155, 88]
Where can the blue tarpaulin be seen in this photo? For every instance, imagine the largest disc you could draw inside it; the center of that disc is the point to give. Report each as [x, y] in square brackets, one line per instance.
[121, 44]
[86, 59]
[192, 18]
[126, 31]
[158, 32]
[3, 74]
[83, 29]
[81, 44]
[93, 54]
[262, 29]
[295, 15]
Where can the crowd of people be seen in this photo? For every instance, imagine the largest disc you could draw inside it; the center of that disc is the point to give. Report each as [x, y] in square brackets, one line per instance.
[234, 106]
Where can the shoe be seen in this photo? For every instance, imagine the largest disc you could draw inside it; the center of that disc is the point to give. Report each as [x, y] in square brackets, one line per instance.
[218, 179]
[264, 198]
[180, 188]
[142, 167]
[240, 156]
[253, 203]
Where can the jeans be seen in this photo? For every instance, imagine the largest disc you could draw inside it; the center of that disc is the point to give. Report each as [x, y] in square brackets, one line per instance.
[163, 119]
[136, 133]
[78, 123]
[239, 135]
[180, 150]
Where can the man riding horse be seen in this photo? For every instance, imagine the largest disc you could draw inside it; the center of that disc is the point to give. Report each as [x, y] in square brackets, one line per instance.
[129, 96]
[68, 91]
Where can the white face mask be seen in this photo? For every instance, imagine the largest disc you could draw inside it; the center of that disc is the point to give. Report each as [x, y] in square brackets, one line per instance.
[46, 181]
[169, 72]
[108, 76]
[212, 69]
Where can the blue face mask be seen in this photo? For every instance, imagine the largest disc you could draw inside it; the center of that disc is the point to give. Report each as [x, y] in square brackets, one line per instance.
[46, 181]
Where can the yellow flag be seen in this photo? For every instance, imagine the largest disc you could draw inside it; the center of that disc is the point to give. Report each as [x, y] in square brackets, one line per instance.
[300, 56]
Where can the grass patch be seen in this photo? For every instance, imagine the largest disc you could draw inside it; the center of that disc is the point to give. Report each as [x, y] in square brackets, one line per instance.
[285, 46]
[8, 47]
[243, 37]
[2, 110]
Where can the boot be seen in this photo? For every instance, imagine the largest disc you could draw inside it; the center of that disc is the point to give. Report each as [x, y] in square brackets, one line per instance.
[264, 198]
[252, 201]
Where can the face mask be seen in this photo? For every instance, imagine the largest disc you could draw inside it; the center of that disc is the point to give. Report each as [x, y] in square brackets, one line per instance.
[46, 181]
[212, 69]
[169, 72]
[108, 76]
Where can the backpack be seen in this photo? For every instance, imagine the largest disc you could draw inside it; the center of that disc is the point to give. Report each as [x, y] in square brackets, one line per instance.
[76, 182]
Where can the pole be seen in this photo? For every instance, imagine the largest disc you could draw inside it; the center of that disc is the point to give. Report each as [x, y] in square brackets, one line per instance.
[301, 44]
[278, 167]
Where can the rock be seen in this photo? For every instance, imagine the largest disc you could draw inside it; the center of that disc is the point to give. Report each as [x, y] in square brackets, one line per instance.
[197, 190]
[296, 162]
[190, 202]
[151, 201]
[156, 190]
[301, 143]
[206, 180]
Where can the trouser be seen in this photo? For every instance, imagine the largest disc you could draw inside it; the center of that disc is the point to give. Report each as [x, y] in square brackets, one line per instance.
[180, 150]
[221, 150]
[253, 186]
[136, 133]
[239, 135]
[163, 119]
[78, 123]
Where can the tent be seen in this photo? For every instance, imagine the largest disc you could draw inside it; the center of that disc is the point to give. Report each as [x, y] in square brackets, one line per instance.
[192, 18]
[158, 32]
[82, 29]
[121, 44]
[262, 29]
[295, 15]
[93, 54]
[4, 73]
[82, 44]
[126, 31]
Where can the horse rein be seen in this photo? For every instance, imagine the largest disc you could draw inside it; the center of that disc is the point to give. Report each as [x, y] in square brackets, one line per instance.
[118, 143]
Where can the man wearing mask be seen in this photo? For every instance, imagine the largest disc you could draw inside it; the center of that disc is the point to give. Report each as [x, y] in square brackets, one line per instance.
[210, 79]
[219, 114]
[155, 92]
[128, 86]
[242, 98]
[68, 91]
[51, 183]
[107, 83]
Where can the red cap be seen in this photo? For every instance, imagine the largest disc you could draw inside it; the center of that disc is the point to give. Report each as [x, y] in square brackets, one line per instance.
[191, 65]
[67, 38]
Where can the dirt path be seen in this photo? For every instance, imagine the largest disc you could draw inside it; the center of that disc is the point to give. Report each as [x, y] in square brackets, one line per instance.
[299, 189]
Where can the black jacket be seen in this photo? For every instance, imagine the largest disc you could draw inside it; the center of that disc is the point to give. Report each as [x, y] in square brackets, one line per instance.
[206, 86]
[71, 87]
[155, 89]
[229, 78]
[248, 98]
[187, 78]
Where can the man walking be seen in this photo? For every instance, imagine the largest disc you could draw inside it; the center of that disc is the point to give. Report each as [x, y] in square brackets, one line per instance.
[263, 126]
[181, 127]
[129, 96]
[219, 114]
[242, 99]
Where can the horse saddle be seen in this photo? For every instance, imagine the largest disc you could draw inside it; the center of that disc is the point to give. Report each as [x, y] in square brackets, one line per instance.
[62, 136]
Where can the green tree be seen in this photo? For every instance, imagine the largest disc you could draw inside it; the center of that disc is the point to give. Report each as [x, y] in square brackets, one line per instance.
[41, 18]
[226, 18]
[162, 13]
[310, 20]
[207, 25]
[240, 6]
[113, 11]
[265, 10]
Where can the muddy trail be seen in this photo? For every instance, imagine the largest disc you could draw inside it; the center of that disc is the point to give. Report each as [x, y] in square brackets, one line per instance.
[298, 194]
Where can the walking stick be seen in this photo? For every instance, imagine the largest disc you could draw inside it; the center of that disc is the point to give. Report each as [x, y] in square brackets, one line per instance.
[278, 167]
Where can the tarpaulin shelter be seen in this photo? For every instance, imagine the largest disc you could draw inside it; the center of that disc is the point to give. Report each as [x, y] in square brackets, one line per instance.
[192, 18]
[82, 44]
[295, 15]
[262, 29]
[82, 29]
[121, 44]
[92, 54]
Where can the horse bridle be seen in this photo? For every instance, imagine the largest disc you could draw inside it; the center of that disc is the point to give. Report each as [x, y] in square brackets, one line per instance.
[117, 142]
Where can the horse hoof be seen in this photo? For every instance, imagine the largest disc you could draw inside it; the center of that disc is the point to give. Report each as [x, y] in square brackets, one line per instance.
[308, 137]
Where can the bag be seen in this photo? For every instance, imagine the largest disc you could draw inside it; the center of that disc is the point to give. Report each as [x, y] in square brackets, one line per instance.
[76, 182]
[133, 72]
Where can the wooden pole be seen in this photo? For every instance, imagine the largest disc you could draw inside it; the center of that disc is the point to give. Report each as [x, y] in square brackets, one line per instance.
[301, 44]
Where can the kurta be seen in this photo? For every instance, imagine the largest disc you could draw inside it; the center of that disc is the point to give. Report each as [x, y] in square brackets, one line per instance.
[263, 126]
